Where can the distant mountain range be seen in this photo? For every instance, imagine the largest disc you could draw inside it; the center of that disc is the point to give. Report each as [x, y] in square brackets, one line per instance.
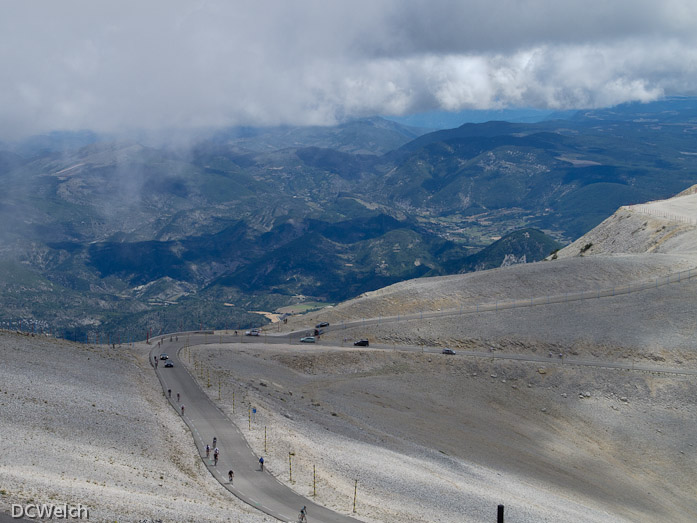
[103, 235]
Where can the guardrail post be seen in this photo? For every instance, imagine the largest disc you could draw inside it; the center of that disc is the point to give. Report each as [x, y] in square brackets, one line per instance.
[290, 465]
[499, 514]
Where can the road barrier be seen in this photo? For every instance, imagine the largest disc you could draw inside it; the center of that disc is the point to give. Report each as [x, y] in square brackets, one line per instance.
[645, 209]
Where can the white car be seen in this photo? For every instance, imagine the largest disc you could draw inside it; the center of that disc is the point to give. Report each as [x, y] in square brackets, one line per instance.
[307, 339]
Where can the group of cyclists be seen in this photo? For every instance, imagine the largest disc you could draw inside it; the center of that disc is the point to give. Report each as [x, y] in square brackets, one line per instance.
[302, 517]
[216, 453]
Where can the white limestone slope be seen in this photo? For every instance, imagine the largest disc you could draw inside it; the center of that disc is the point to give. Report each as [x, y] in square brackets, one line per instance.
[89, 425]
[661, 227]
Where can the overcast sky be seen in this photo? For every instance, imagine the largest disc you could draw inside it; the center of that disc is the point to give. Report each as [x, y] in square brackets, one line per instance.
[167, 63]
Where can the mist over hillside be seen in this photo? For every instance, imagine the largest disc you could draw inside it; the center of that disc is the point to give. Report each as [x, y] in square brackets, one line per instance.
[131, 235]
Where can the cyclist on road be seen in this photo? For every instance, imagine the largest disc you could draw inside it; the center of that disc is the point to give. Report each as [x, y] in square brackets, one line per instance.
[261, 463]
[230, 475]
[208, 451]
[169, 393]
[302, 517]
[182, 410]
[215, 441]
[177, 397]
[216, 453]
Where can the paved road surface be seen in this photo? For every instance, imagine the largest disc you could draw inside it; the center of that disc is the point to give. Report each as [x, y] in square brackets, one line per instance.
[260, 489]
[7, 518]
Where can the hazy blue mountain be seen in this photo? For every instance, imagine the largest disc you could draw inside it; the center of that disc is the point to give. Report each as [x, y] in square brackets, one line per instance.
[559, 176]
[445, 120]
[365, 136]
[56, 141]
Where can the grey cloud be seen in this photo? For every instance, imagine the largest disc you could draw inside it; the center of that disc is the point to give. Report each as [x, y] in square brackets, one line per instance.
[109, 66]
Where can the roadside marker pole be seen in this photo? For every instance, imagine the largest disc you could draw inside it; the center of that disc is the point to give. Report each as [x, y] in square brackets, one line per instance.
[355, 491]
[314, 480]
[264, 439]
[290, 465]
[233, 401]
[250, 418]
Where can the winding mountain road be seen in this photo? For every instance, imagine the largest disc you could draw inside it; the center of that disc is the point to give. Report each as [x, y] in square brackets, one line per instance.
[258, 488]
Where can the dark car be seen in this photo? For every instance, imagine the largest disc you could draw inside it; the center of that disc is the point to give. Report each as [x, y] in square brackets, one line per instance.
[361, 343]
[169, 363]
[323, 324]
[164, 356]
[448, 351]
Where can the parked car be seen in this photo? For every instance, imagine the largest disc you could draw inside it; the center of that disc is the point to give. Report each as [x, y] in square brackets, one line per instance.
[361, 343]
[448, 351]
[169, 363]
[322, 324]
[307, 339]
[164, 356]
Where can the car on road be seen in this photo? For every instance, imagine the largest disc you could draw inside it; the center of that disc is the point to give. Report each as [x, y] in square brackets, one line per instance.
[322, 324]
[253, 332]
[361, 343]
[307, 339]
[448, 351]
[164, 356]
[169, 363]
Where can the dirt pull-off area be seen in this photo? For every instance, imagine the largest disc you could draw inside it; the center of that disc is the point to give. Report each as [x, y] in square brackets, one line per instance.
[432, 437]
